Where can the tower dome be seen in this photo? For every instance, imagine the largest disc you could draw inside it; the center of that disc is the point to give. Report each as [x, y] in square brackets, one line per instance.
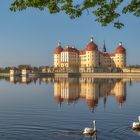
[120, 99]
[58, 99]
[92, 103]
[120, 49]
[58, 49]
[91, 46]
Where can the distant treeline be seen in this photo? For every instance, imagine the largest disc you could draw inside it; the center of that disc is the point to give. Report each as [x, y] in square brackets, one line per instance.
[32, 68]
[134, 66]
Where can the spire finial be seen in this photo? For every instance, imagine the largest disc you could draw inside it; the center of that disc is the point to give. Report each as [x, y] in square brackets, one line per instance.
[120, 43]
[59, 43]
[91, 39]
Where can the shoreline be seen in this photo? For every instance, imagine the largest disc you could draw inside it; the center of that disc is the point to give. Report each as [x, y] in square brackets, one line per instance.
[84, 74]
[99, 75]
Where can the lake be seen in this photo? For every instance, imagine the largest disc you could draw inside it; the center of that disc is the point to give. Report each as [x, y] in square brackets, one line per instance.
[60, 108]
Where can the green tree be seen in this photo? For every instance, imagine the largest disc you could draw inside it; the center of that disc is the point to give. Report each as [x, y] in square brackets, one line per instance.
[105, 11]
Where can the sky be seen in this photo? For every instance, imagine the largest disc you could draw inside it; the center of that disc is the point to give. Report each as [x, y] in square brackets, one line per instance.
[30, 36]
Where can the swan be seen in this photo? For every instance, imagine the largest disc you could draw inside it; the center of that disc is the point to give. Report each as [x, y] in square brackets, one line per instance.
[136, 125]
[90, 131]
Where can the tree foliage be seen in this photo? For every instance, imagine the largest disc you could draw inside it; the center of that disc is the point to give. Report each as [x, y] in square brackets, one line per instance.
[105, 11]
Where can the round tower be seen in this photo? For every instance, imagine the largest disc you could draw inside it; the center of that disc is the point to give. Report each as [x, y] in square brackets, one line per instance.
[120, 54]
[91, 54]
[57, 55]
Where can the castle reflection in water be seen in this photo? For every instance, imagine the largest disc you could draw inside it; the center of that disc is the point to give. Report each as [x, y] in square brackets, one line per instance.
[90, 90]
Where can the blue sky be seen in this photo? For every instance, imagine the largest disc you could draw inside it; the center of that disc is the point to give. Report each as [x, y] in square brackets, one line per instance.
[30, 36]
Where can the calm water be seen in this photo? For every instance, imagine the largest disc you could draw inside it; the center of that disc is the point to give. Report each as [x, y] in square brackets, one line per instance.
[60, 108]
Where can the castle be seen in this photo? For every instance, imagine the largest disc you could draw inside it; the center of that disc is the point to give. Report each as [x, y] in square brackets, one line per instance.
[89, 58]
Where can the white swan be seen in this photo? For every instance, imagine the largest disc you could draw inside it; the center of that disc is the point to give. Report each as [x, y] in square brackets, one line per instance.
[90, 131]
[136, 125]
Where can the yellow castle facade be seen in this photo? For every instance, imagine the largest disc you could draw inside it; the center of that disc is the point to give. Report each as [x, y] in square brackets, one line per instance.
[89, 57]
